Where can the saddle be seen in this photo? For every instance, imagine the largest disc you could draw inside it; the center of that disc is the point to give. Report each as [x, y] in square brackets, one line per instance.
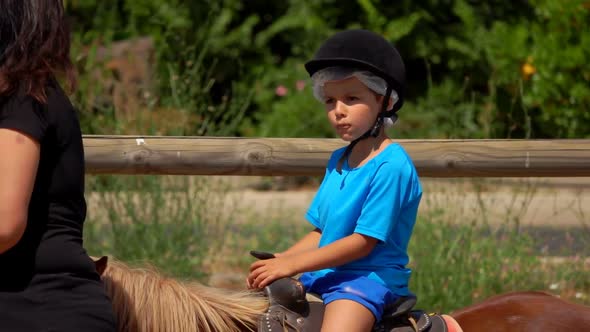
[291, 309]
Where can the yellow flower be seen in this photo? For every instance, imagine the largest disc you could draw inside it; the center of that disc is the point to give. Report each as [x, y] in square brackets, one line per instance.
[527, 69]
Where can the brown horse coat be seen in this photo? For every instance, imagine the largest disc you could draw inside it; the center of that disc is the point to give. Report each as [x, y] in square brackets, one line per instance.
[524, 311]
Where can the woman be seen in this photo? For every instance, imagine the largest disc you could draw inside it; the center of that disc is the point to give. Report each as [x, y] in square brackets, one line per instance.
[47, 280]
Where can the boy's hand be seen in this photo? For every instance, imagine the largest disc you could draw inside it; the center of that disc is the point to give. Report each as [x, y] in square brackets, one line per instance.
[263, 272]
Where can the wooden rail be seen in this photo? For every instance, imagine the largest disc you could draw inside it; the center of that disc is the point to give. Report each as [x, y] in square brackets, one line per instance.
[306, 156]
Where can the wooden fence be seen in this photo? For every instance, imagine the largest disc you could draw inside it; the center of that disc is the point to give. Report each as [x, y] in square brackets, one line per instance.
[306, 156]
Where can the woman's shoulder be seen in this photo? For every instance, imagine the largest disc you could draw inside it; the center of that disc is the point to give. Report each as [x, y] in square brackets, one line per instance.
[56, 96]
[20, 98]
[24, 112]
[60, 110]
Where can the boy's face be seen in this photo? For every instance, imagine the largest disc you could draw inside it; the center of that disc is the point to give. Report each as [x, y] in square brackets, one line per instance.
[351, 107]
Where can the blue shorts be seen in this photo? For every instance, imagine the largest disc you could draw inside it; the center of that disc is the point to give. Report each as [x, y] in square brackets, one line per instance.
[347, 286]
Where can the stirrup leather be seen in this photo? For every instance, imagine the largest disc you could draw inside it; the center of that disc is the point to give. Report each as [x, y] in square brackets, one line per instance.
[280, 319]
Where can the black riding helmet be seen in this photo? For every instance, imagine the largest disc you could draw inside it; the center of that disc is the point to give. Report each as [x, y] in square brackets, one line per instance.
[365, 50]
[369, 51]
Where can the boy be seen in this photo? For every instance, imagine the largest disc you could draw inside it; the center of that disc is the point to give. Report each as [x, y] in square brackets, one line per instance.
[365, 209]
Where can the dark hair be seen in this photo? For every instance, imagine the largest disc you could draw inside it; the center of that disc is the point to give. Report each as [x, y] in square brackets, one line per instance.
[34, 46]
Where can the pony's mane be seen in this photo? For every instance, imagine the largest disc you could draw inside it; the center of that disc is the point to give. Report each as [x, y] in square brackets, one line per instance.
[145, 300]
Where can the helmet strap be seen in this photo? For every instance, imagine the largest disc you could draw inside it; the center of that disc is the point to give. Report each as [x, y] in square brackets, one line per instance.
[373, 132]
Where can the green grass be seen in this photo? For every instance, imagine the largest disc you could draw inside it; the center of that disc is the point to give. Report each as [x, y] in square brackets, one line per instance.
[455, 264]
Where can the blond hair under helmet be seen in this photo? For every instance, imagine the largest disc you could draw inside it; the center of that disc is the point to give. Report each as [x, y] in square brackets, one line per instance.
[370, 80]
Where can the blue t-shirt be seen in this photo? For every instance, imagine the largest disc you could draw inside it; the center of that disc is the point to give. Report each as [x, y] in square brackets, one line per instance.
[379, 199]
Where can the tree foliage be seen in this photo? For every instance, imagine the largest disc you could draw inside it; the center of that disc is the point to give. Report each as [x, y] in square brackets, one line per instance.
[492, 69]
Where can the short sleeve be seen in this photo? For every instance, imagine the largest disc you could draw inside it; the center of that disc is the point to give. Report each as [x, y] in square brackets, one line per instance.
[390, 189]
[313, 213]
[25, 115]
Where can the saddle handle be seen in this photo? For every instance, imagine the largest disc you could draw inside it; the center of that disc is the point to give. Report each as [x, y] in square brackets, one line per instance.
[262, 254]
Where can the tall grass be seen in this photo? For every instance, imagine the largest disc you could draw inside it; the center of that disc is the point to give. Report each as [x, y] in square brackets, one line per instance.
[470, 246]
[175, 223]
[455, 264]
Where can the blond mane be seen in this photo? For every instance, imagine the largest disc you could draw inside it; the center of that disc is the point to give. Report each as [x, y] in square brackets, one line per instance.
[145, 300]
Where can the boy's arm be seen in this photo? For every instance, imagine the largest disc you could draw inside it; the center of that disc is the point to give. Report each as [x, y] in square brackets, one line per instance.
[343, 251]
[338, 253]
[310, 241]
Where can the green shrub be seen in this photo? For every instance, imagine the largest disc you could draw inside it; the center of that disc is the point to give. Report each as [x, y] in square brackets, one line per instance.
[177, 224]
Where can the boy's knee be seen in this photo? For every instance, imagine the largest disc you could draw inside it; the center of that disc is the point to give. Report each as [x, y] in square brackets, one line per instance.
[347, 315]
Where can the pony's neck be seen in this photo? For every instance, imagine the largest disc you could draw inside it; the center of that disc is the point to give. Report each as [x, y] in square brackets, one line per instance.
[144, 300]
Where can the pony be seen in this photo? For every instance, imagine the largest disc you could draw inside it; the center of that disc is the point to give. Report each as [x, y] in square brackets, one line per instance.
[524, 311]
[145, 300]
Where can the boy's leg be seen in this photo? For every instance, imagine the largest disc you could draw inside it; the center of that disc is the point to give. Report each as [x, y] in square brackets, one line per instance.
[353, 302]
[347, 315]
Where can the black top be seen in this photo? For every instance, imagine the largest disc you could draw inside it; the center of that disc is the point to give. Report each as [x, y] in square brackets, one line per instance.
[52, 242]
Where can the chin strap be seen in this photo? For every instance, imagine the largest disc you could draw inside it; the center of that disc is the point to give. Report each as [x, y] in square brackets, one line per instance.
[373, 132]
